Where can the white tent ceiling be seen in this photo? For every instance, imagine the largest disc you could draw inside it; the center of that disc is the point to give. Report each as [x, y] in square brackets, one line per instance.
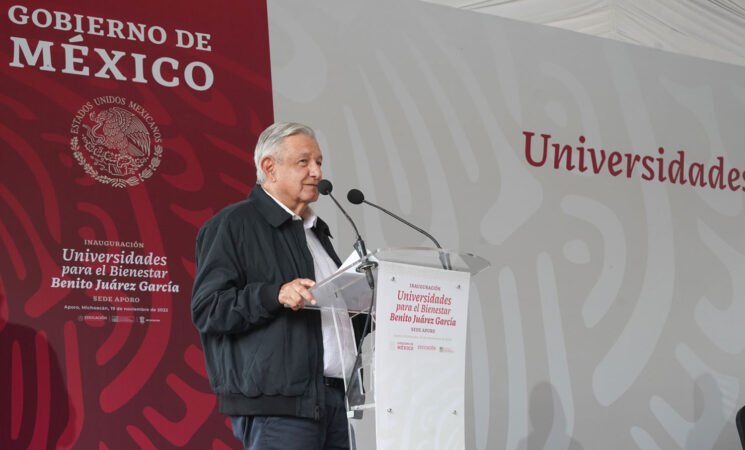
[712, 29]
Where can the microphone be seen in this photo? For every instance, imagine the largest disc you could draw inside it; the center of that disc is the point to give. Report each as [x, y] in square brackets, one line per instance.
[325, 188]
[355, 196]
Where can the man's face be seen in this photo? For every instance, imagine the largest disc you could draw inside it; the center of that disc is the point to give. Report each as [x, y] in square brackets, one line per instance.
[293, 178]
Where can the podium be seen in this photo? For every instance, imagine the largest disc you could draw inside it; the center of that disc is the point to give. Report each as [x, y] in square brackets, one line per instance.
[406, 386]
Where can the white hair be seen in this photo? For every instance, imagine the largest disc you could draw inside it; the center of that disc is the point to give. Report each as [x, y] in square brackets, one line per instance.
[270, 143]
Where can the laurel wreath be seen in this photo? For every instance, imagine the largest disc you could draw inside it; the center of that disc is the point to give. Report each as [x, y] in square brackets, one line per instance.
[117, 182]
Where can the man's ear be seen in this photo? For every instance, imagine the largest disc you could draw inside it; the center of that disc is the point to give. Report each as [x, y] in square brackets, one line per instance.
[268, 164]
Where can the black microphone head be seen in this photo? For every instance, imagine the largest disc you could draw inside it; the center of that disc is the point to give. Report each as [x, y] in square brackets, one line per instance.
[324, 187]
[355, 196]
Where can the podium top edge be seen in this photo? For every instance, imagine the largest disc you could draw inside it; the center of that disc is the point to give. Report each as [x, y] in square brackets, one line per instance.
[432, 256]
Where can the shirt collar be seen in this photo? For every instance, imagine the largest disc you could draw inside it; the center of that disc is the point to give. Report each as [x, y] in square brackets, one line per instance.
[309, 217]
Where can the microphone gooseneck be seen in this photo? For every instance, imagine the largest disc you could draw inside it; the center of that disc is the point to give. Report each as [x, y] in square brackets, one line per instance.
[325, 188]
[355, 196]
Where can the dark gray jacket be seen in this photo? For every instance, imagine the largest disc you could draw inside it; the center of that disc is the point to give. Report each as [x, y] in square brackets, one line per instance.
[262, 359]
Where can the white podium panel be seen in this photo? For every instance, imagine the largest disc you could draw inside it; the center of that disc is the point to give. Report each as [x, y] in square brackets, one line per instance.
[406, 389]
[420, 357]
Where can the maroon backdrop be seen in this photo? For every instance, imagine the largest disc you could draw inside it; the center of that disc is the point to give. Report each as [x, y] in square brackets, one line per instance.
[120, 173]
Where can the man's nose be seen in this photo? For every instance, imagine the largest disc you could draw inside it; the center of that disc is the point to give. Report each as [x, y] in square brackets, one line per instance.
[315, 170]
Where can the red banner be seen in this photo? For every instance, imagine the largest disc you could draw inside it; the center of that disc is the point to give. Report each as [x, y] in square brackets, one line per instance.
[125, 126]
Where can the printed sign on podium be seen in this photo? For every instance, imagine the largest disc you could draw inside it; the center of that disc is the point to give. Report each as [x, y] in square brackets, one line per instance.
[406, 389]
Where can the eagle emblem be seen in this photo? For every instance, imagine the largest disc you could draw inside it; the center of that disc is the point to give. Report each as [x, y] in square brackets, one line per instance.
[119, 147]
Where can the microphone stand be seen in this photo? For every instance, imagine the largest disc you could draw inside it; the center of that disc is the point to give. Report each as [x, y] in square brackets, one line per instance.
[365, 266]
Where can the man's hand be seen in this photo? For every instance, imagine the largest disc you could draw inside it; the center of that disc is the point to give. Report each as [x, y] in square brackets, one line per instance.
[292, 294]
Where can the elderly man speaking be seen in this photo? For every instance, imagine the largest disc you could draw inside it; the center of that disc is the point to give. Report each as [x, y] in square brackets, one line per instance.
[274, 365]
